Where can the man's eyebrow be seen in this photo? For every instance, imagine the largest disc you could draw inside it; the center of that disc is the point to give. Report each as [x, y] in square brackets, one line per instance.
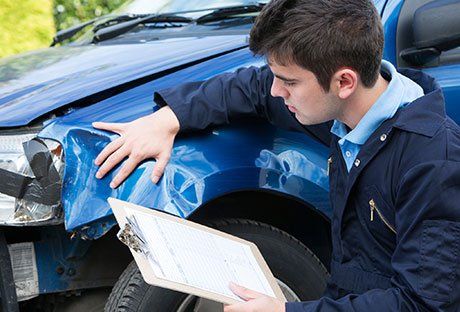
[285, 79]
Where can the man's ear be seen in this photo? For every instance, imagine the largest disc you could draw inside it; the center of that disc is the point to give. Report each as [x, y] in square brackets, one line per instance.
[344, 83]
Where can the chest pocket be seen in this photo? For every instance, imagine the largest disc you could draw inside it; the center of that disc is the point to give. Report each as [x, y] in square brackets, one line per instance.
[378, 215]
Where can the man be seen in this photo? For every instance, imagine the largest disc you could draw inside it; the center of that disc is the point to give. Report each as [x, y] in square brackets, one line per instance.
[394, 170]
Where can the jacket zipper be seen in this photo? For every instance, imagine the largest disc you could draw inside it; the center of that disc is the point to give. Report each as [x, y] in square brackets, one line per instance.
[329, 163]
[374, 207]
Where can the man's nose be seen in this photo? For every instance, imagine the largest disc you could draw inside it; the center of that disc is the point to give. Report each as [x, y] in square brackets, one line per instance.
[278, 89]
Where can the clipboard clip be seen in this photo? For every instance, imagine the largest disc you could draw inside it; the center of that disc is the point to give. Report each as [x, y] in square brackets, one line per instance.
[127, 235]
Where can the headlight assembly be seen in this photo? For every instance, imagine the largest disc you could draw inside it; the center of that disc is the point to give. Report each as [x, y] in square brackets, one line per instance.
[30, 180]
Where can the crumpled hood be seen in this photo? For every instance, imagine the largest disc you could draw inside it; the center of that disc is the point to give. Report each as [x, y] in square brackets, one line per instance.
[33, 84]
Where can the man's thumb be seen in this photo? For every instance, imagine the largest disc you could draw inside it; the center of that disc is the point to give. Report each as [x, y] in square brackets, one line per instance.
[242, 292]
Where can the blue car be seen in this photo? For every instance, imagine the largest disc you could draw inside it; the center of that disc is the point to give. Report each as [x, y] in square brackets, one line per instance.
[58, 244]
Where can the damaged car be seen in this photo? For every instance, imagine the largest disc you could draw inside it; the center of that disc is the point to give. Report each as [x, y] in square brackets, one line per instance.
[58, 245]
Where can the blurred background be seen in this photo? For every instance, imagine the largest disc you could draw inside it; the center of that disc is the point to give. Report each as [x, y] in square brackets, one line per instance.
[31, 24]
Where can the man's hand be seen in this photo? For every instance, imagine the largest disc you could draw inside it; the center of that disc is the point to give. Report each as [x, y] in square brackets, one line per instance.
[255, 302]
[151, 136]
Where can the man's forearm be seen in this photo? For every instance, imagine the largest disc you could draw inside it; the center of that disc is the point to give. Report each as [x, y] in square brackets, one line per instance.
[216, 101]
[219, 100]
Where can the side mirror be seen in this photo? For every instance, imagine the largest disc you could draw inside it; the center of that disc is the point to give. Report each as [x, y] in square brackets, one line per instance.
[436, 27]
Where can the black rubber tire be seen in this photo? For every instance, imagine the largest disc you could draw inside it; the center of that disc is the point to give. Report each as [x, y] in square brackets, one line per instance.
[92, 300]
[290, 261]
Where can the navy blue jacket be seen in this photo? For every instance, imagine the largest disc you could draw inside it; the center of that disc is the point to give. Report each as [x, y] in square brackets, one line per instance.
[396, 219]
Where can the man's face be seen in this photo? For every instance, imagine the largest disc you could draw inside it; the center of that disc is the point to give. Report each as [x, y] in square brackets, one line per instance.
[303, 94]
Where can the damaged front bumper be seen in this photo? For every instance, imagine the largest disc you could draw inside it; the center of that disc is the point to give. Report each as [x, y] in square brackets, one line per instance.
[31, 180]
[30, 194]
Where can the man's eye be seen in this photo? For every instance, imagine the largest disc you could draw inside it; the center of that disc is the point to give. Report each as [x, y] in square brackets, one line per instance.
[288, 84]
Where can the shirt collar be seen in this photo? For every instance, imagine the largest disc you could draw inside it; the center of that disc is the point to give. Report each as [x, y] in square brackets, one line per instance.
[425, 115]
[400, 91]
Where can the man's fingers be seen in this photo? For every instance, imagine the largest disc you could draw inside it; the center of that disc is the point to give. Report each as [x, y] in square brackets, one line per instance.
[244, 293]
[159, 168]
[108, 150]
[112, 161]
[128, 167]
[109, 126]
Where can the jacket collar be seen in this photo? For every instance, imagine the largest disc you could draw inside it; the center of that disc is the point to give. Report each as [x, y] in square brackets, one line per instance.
[426, 114]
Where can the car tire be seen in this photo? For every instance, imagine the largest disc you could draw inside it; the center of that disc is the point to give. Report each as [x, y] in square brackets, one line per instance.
[92, 300]
[292, 263]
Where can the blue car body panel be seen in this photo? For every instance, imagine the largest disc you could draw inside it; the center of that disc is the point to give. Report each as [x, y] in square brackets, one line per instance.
[448, 77]
[42, 81]
[55, 254]
[259, 157]
[390, 18]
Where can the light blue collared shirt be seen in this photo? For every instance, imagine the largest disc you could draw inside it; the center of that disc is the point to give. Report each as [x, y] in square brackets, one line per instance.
[400, 91]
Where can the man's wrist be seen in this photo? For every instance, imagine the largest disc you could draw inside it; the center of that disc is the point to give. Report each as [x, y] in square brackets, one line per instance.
[167, 116]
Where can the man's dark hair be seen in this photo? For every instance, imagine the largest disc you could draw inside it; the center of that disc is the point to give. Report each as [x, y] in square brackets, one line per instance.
[321, 36]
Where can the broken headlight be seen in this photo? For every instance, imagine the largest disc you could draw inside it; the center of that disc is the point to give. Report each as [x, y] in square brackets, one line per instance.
[30, 180]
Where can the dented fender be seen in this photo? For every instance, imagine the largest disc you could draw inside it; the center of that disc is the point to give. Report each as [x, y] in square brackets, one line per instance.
[203, 166]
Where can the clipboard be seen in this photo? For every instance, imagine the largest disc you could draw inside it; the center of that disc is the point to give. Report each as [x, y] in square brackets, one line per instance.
[132, 234]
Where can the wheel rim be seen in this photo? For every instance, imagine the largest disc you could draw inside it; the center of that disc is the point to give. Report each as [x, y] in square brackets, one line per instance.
[290, 295]
[195, 304]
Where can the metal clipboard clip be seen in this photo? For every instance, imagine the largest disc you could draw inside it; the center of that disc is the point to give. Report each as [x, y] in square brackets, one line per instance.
[129, 235]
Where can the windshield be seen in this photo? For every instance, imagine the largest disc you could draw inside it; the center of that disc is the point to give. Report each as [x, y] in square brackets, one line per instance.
[133, 19]
[167, 6]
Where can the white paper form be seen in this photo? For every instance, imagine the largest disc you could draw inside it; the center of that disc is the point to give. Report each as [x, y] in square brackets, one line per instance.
[194, 257]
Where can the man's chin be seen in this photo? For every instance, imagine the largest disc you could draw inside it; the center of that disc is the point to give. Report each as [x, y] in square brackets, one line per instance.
[305, 121]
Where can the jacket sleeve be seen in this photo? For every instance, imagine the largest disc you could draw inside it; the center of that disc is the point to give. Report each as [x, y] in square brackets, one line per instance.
[427, 255]
[230, 96]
